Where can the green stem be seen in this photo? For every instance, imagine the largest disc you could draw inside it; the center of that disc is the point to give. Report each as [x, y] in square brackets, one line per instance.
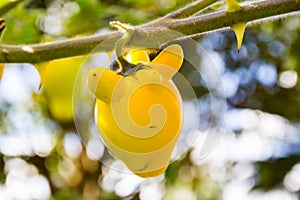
[121, 43]
[148, 33]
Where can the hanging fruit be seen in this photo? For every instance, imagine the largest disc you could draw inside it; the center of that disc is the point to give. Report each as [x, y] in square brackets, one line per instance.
[138, 113]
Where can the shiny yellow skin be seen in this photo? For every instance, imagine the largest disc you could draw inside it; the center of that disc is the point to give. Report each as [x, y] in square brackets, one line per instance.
[1, 70]
[141, 120]
[57, 79]
[101, 82]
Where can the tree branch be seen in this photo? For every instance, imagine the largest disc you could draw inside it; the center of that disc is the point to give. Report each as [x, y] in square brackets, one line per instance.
[10, 5]
[36, 53]
[186, 11]
[148, 33]
[249, 13]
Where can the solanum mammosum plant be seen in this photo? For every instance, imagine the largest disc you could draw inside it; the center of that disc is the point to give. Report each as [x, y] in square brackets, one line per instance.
[139, 112]
[240, 58]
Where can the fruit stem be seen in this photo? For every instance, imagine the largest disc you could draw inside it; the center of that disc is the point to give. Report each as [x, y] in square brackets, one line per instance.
[123, 63]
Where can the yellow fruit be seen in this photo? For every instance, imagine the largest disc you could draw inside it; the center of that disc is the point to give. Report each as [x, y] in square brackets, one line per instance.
[57, 86]
[141, 120]
[137, 56]
[1, 70]
[148, 75]
[101, 82]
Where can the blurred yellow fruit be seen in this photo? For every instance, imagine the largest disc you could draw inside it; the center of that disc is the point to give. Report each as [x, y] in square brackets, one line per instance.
[58, 78]
[1, 70]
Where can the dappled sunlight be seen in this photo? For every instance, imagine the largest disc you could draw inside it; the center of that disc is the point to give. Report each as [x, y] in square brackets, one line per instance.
[72, 145]
[288, 79]
[180, 192]
[276, 194]
[95, 149]
[265, 73]
[152, 189]
[17, 83]
[261, 136]
[240, 135]
[24, 182]
[57, 13]
[127, 185]
[231, 82]
[292, 179]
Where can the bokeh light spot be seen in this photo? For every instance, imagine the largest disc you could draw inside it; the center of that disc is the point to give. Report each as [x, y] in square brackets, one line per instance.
[288, 79]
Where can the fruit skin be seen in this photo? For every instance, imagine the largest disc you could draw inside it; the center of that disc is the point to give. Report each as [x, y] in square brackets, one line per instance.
[101, 82]
[141, 121]
[58, 78]
[1, 70]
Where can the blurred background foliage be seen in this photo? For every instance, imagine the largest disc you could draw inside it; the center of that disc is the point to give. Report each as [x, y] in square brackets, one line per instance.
[257, 156]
